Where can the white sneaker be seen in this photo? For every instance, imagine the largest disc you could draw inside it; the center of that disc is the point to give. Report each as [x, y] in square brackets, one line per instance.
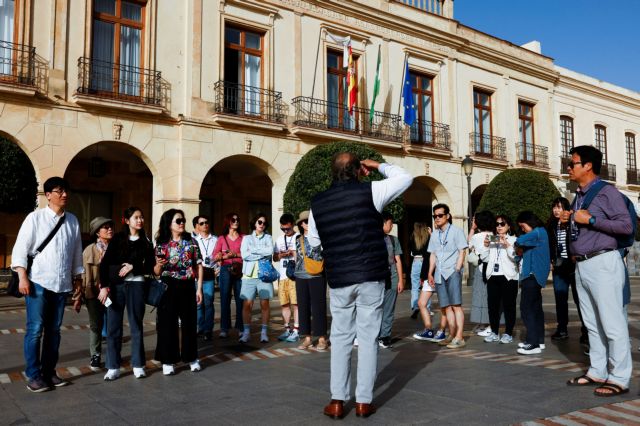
[355, 342]
[491, 338]
[168, 370]
[195, 366]
[244, 337]
[542, 346]
[112, 374]
[486, 332]
[264, 338]
[505, 338]
[523, 344]
[529, 350]
[139, 372]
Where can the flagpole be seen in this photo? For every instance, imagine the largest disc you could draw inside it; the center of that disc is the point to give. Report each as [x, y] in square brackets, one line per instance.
[315, 70]
[404, 69]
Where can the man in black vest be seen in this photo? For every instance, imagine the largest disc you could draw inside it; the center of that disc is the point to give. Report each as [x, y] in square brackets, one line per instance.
[345, 220]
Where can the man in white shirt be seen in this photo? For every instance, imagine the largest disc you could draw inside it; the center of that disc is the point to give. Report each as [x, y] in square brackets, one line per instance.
[54, 273]
[206, 242]
[284, 251]
[345, 220]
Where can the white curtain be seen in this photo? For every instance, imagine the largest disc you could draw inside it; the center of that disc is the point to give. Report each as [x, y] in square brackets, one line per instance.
[252, 84]
[129, 61]
[6, 34]
[102, 51]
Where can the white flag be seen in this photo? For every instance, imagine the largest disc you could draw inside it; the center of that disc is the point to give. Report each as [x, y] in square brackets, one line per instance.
[345, 42]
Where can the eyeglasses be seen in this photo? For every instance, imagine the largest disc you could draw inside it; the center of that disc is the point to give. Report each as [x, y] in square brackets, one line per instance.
[287, 229]
[59, 191]
[203, 223]
[235, 220]
[181, 221]
[262, 222]
[572, 164]
[501, 223]
[439, 216]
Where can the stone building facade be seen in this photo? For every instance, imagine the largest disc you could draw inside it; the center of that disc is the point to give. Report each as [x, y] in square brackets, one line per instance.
[208, 105]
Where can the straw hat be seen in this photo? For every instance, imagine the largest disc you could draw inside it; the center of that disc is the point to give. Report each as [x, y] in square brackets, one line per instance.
[96, 224]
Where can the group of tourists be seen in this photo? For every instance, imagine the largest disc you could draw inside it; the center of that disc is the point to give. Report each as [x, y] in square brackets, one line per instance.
[344, 243]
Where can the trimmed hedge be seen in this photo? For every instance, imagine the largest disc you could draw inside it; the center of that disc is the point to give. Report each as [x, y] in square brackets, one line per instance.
[516, 190]
[313, 175]
[18, 185]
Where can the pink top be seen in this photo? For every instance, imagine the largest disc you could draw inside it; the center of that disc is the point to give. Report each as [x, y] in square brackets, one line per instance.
[225, 243]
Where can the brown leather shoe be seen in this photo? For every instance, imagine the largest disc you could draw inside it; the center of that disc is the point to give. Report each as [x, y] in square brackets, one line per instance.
[364, 410]
[335, 409]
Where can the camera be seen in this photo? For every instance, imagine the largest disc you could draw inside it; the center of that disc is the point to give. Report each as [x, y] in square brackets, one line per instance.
[285, 263]
[494, 238]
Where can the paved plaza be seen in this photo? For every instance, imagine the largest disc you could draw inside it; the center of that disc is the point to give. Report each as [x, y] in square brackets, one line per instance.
[276, 383]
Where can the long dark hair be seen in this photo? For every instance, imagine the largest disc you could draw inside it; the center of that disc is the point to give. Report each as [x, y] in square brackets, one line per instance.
[163, 235]
[485, 221]
[227, 223]
[123, 238]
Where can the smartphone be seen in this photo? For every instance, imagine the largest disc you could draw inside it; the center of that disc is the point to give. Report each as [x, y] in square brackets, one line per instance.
[107, 303]
[494, 238]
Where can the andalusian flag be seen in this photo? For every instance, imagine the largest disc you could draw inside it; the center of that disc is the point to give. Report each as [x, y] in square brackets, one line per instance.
[352, 81]
[376, 89]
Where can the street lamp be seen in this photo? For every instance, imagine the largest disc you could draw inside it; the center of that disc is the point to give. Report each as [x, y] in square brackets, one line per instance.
[467, 166]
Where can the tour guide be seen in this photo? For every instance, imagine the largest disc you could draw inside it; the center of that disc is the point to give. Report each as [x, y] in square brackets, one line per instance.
[346, 219]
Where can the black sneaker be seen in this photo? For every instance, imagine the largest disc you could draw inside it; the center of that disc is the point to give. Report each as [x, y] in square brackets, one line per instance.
[415, 313]
[384, 342]
[57, 381]
[95, 364]
[560, 335]
[38, 385]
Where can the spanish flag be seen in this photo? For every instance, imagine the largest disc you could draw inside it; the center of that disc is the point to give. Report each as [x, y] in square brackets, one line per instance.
[352, 79]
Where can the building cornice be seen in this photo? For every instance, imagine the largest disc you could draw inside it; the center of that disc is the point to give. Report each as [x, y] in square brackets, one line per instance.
[598, 92]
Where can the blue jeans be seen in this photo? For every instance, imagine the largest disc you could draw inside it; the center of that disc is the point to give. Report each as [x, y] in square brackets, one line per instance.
[416, 266]
[228, 284]
[45, 310]
[206, 310]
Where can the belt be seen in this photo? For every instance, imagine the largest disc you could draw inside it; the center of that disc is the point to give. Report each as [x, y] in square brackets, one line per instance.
[417, 257]
[590, 255]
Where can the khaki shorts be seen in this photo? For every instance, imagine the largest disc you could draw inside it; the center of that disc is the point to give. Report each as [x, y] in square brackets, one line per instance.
[287, 292]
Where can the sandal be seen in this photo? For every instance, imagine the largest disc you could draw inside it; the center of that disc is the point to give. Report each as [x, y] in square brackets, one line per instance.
[614, 390]
[306, 344]
[588, 381]
[321, 346]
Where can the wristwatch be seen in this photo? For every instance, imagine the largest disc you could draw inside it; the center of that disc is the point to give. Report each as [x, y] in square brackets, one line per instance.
[592, 220]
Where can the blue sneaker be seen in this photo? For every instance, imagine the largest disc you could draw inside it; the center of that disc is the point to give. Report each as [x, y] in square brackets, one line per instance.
[426, 334]
[285, 335]
[293, 336]
[439, 337]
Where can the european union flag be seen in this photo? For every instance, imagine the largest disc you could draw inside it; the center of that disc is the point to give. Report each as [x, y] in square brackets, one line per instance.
[407, 97]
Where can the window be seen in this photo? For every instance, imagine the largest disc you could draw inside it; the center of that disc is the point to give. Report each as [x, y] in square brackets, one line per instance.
[7, 35]
[525, 130]
[566, 135]
[422, 131]
[630, 142]
[338, 93]
[482, 122]
[117, 46]
[243, 52]
[601, 142]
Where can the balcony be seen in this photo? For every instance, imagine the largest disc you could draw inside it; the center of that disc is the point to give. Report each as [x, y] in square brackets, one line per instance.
[487, 147]
[316, 116]
[532, 155]
[608, 172]
[21, 70]
[633, 177]
[109, 84]
[428, 134]
[252, 104]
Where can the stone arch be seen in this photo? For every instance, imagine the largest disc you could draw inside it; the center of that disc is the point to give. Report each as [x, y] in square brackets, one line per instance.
[476, 197]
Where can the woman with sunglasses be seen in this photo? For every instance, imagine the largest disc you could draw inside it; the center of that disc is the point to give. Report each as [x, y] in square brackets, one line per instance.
[227, 252]
[178, 263]
[255, 247]
[498, 254]
[481, 227]
[129, 257]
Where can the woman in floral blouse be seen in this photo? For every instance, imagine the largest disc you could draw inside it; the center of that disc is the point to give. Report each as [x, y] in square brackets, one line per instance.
[178, 264]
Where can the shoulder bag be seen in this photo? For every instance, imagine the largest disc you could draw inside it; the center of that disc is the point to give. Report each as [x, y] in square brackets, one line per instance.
[266, 272]
[291, 264]
[313, 267]
[154, 290]
[235, 269]
[13, 288]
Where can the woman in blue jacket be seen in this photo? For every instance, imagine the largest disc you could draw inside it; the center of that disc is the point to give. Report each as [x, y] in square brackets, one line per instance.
[533, 248]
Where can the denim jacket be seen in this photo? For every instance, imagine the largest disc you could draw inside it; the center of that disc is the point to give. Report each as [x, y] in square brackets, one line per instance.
[253, 249]
[535, 259]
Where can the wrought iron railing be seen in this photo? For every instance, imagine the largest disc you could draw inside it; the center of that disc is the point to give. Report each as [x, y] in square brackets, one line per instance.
[488, 146]
[608, 171]
[321, 114]
[431, 6]
[249, 101]
[564, 165]
[533, 155]
[431, 134]
[122, 82]
[20, 65]
[633, 177]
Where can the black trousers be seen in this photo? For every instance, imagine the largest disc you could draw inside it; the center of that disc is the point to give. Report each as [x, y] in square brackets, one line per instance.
[179, 301]
[531, 310]
[501, 297]
[131, 295]
[312, 305]
[561, 285]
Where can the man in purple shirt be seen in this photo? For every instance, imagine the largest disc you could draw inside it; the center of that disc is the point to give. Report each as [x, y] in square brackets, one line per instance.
[600, 274]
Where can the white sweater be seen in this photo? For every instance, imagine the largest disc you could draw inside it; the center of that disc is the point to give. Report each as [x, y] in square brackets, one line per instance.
[507, 262]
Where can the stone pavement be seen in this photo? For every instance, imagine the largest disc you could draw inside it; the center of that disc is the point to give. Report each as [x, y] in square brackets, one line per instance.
[276, 383]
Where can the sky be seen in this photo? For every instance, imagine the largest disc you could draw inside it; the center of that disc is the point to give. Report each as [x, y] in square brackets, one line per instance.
[599, 38]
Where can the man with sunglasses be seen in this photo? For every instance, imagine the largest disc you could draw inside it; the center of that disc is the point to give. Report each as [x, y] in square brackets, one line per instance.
[284, 252]
[54, 273]
[206, 241]
[345, 219]
[600, 272]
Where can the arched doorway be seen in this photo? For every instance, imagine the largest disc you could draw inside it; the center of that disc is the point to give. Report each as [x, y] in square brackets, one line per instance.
[476, 197]
[238, 184]
[105, 179]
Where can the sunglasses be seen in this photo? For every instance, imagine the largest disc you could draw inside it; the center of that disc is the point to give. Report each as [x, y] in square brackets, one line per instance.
[235, 220]
[501, 223]
[262, 222]
[181, 221]
[286, 229]
[572, 164]
[305, 221]
[438, 216]
[106, 226]
[203, 223]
